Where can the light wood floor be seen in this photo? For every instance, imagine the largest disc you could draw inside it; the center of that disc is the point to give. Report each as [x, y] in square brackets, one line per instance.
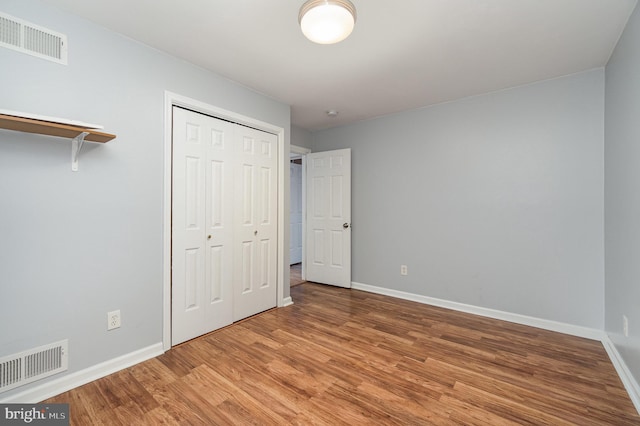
[340, 356]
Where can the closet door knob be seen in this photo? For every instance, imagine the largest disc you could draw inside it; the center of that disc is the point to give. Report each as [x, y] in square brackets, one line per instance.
[208, 237]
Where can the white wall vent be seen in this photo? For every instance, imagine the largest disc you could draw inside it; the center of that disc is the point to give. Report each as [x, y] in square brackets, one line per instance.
[26, 37]
[34, 364]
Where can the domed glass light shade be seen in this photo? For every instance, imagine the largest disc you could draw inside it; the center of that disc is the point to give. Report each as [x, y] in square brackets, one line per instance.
[327, 21]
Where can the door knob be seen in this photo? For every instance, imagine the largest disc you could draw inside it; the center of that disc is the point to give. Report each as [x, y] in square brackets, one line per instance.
[255, 232]
[208, 237]
[345, 225]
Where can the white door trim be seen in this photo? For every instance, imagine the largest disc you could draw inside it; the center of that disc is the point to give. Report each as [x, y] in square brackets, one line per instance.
[294, 149]
[173, 99]
[302, 152]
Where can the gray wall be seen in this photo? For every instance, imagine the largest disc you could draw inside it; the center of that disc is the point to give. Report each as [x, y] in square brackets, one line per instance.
[300, 137]
[494, 201]
[622, 194]
[76, 245]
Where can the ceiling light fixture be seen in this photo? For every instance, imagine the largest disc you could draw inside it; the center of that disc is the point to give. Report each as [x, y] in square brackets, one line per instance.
[327, 21]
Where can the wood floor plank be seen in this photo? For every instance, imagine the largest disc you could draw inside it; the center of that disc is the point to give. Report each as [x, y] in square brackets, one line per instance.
[159, 416]
[465, 414]
[187, 406]
[345, 357]
[153, 375]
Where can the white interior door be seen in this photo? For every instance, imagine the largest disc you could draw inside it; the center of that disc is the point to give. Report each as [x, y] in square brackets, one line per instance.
[295, 214]
[202, 224]
[255, 249]
[329, 217]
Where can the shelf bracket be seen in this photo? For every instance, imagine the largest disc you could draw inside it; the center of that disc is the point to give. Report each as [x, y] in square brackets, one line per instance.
[76, 146]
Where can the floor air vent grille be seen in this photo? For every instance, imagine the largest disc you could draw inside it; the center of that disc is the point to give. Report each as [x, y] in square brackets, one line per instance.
[35, 364]
[32, 39]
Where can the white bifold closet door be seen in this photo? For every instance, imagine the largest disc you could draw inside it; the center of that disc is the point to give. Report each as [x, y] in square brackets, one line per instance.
[224, 231]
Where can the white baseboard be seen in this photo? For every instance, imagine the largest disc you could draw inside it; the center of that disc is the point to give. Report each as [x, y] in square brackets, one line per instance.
[627, 378]
[574, 330]
[288, 301]
[68, 382]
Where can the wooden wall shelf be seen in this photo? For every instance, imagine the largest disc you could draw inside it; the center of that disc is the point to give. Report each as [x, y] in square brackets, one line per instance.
[30, 125]
[77, 134]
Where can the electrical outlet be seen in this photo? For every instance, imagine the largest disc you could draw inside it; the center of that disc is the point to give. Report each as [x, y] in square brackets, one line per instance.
[113, 320]
[625, 325]
[403, 270]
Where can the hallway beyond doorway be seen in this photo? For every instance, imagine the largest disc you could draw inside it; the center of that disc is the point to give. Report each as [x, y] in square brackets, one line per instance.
[296, 275]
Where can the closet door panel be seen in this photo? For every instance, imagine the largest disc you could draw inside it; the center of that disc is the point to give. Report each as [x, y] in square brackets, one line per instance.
[257, 233]
[202, 224]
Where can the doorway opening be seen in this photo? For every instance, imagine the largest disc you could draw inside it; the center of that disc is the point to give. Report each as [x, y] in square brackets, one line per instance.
[297, 214]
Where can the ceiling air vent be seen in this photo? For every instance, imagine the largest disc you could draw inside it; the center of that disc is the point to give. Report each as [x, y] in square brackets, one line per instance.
[26, 37]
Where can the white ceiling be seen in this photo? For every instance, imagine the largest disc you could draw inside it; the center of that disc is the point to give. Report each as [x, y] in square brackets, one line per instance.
[402, 54]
